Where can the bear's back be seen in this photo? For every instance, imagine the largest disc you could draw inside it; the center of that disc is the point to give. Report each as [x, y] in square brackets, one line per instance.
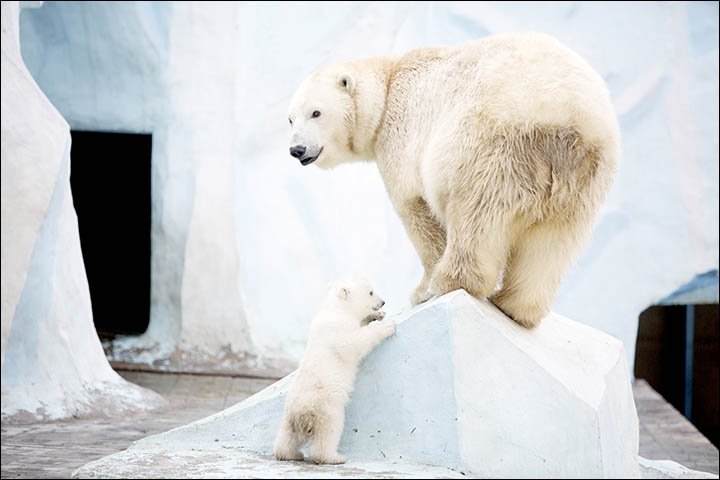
[507, 79]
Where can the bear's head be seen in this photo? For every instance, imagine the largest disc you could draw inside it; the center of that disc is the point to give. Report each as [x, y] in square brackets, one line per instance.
[356, 294]
[322, 118]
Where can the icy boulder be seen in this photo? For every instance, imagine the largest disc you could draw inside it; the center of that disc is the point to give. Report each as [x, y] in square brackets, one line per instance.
[459, 390]
[53, 365]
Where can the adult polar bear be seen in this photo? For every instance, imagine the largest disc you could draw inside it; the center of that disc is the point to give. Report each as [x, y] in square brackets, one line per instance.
[496, 154]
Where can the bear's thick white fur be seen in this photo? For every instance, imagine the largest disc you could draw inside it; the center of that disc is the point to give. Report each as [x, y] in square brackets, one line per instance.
[496, 154]
[342, 333]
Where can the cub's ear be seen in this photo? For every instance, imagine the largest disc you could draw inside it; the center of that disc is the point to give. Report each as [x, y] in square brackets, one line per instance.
[346, 81]
[343, 293]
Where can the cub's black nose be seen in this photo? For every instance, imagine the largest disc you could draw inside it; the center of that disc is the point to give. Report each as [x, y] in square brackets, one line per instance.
[297, 151]
[382, 304]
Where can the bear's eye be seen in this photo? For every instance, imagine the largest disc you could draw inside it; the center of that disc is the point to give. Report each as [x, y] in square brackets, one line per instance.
[316, 114]
[290, 120]
[371, 293]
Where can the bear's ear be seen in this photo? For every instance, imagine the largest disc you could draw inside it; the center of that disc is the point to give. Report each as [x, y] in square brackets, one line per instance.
[343, 293]
[346, 81]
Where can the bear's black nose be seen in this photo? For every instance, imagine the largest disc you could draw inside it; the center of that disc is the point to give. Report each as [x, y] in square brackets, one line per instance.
[382, 304]
[297, 151]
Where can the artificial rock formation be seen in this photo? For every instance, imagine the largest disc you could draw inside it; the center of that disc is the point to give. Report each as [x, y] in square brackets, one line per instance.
[460, 390]
[53, 365]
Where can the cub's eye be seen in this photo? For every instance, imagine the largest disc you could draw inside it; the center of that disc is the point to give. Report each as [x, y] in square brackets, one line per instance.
[290, 120]
[316, 114]
[371, 294]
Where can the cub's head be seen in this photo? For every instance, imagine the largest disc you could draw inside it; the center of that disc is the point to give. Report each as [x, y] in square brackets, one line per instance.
[357, 295]
[322, 116]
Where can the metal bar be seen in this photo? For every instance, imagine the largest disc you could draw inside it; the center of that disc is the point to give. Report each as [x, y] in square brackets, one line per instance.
[689, 341]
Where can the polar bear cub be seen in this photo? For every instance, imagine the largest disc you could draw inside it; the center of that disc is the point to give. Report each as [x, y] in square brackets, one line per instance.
[341, 335]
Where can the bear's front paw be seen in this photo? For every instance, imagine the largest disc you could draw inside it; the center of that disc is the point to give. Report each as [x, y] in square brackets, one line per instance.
[456, 271]
[386, 328]
[420, 295]
[443, 280]
[376, 316]
[372, 318]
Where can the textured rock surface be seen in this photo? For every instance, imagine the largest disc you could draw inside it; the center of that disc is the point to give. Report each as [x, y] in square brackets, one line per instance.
[459, 387]
[52, 362]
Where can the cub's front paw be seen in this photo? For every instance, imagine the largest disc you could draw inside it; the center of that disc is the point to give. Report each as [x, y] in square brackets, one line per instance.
[376, 316]
[386, 328]
[373, 317]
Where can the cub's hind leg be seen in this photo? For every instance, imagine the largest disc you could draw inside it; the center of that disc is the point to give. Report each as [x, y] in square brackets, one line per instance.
[288, 443]
[326, 436]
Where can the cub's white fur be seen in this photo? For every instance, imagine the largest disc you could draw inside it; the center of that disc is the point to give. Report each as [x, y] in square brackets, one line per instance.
[496, 154]
[341, 334]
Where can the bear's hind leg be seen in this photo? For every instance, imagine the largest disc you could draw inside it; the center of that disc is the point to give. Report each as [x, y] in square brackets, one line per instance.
[326, 437]
[540, 258]
[477, 242]
[288, 443]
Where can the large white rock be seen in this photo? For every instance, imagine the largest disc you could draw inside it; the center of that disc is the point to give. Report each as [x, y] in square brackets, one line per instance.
[53, 365]
[459, 388]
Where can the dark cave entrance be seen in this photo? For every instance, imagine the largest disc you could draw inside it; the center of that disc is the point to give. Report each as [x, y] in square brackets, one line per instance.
[110, 182]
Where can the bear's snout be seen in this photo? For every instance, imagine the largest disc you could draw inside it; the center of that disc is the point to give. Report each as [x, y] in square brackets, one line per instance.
[297, 151]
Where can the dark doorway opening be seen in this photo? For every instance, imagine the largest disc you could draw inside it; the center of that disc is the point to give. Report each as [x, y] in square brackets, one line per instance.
[677, 353]
[110, 182]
